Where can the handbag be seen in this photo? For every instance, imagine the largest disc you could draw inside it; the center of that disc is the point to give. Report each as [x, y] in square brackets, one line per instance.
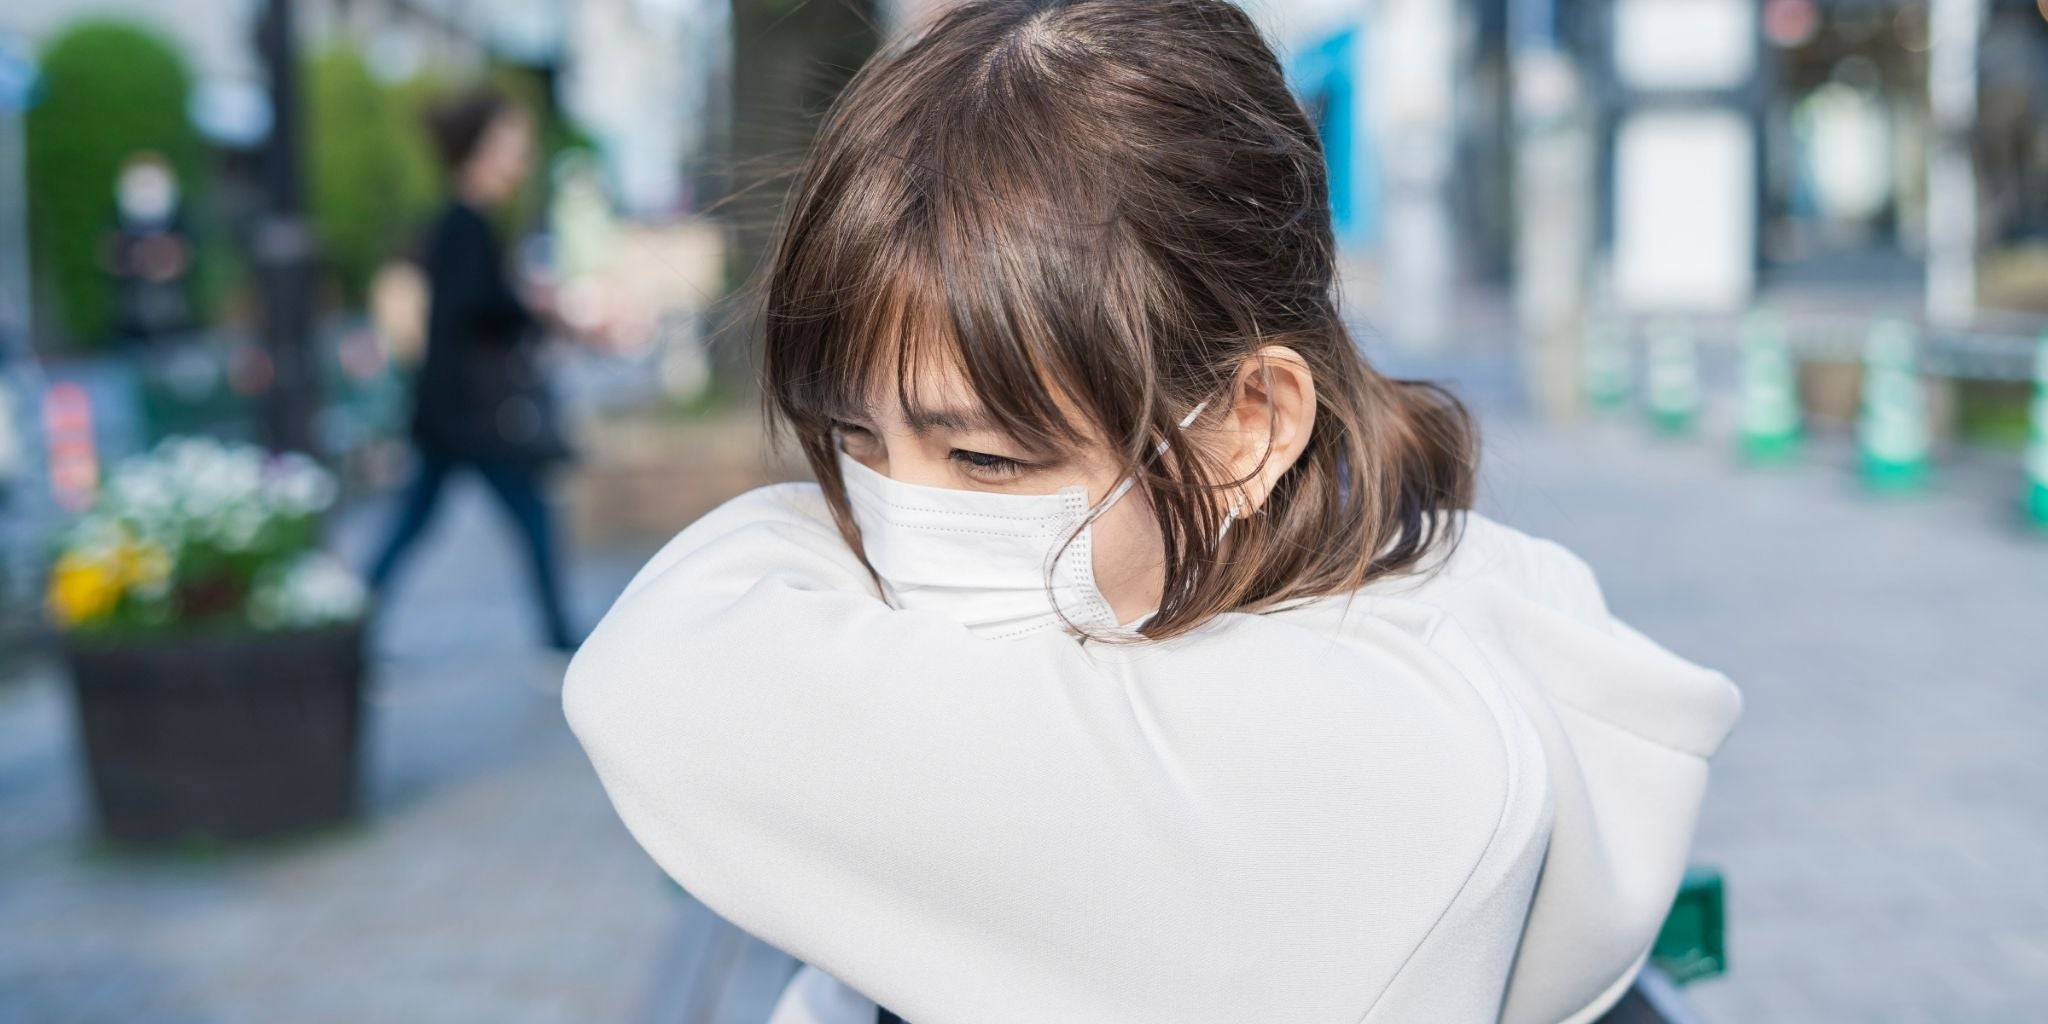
[517, 409]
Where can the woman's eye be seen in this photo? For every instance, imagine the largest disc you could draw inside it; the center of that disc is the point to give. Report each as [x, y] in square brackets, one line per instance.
[851, 436]
[984, 464]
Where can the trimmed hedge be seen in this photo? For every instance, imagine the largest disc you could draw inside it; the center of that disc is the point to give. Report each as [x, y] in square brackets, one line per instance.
[110, 89]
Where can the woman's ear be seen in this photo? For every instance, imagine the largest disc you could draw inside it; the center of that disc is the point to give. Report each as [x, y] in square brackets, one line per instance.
[1267, 425]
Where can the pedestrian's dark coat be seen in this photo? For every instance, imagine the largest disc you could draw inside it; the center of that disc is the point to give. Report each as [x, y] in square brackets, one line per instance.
[479, 393]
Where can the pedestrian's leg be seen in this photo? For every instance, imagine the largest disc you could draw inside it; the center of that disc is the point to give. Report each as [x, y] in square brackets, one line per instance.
[415, 511]
[518, 486]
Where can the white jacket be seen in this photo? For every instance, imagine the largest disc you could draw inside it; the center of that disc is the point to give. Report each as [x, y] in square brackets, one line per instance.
[1329, 814]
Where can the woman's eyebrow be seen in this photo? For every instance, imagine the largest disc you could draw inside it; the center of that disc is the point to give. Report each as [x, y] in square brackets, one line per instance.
[924, 420]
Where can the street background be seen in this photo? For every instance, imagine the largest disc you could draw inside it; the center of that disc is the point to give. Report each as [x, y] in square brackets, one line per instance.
[1751, 299]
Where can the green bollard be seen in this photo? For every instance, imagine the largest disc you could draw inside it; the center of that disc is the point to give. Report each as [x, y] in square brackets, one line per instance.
[1673, 383]
[1693, 943]
[2037, 440]
[1893, 432]
[1604, 364]
[1769, 391]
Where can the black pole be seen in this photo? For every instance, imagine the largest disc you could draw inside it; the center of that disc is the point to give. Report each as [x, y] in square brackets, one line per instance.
[282, 247]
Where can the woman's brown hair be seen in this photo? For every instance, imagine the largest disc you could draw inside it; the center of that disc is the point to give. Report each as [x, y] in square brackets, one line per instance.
[456, 125]
[1105, 207]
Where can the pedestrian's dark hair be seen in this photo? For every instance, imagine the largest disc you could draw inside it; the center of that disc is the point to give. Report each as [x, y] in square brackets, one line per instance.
[456, 125]
[1105, 207]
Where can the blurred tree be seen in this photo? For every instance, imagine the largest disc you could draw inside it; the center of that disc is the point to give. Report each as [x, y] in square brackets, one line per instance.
[554, 135]
[371, 171]
[790, 59]
[111, 90]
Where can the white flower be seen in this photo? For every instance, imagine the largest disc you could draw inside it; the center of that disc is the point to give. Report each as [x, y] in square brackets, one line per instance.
[195, 500]
[141, 489]
[314, 591]
[296, 485]
[238, 526]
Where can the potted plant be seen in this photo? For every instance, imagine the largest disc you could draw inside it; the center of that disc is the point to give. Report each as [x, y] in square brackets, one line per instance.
[215, 652]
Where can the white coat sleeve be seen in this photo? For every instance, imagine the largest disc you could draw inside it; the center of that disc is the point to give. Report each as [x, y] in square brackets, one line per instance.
[998, 831]
[1628, 729]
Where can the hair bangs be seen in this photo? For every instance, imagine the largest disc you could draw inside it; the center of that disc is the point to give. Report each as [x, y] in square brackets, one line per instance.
[909, 296]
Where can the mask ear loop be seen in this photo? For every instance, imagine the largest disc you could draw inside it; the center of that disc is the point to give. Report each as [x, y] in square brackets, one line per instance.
[1235, 513]
[1124, 486]
[1160, 448]
[1237, 508]
[1237, 501]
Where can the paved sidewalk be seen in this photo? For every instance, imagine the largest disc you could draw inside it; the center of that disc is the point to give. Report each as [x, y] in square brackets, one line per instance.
[1880, 810]
[491, 883]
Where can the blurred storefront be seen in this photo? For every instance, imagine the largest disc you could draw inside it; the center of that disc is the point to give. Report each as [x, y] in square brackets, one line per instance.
[1844, 125]
[2011, 143]
[1539, 167]
[1791, 143]
[1859, 118]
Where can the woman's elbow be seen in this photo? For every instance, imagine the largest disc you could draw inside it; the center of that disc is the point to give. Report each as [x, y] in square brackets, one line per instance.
[591, 705]
[608, 701]
[582, 695]
[639, 696]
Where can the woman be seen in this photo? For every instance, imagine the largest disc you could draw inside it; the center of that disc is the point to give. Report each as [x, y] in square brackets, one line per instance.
[1134, 658]
[479, 402]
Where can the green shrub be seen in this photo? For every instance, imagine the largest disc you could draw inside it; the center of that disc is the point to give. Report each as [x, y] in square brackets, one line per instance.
[110, 90]
[372, 175]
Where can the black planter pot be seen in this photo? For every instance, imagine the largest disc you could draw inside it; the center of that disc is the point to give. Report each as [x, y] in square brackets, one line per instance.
[232, 737]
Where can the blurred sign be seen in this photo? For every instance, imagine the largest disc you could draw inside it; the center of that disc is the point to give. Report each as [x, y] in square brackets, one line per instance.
[74, 458]
[1674, 45]
[1413, 60]
[18, 75]
[1329, 75]
[1685, 210]
[13, 453]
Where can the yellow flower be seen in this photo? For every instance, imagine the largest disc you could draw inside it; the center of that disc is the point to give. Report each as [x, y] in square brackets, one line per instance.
[82, 589]
[144, 565]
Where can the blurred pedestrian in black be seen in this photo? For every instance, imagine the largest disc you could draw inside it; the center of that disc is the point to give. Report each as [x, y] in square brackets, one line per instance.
[479, 400]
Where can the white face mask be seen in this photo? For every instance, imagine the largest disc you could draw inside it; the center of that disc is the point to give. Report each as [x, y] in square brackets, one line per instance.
[982, 558]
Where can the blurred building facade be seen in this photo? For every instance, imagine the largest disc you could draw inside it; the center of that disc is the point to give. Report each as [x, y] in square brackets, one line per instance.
[1693, 157]
[1674, 155]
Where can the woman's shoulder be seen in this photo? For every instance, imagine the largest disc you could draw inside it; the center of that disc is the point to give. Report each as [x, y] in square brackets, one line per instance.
[1477, 553]
[1526, 608]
